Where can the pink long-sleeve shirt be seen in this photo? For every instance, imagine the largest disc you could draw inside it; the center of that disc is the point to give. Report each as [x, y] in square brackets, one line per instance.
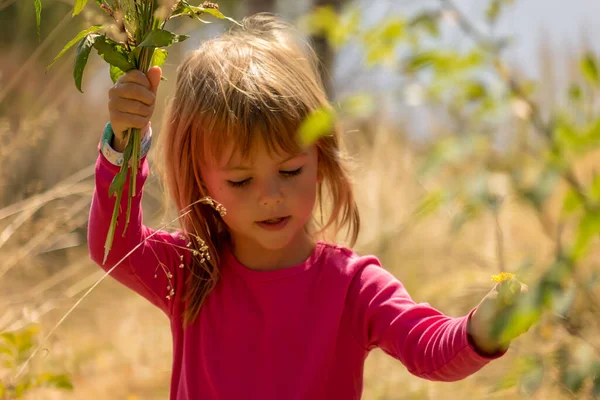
[301, 332]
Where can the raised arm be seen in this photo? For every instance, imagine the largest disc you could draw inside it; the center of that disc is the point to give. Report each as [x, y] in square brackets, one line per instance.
[153, 269]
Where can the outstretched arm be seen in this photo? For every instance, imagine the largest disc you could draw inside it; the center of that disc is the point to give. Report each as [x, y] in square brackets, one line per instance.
[430, 344]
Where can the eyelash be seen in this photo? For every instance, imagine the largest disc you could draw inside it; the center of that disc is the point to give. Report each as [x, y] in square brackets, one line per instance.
[287, 174]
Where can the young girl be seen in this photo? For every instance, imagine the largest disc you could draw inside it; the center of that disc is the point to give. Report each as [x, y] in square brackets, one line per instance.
[259, 306]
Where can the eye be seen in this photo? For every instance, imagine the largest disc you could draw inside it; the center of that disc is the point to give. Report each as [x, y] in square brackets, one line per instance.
[291, 173]
[239, 184]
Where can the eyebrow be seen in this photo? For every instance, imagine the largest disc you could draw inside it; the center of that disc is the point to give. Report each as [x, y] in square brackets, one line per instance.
[244, 168]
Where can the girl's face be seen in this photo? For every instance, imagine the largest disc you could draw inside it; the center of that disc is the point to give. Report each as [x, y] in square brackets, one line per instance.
[269, 200]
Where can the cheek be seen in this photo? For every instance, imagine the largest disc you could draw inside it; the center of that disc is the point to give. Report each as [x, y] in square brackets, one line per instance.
[230, 199]
[305, 192]
[224, 196]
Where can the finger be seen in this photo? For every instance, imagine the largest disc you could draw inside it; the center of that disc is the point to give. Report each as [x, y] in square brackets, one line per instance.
[134, 91]
[135, 76]
[130, 106]
[130, 120]
[154, 75]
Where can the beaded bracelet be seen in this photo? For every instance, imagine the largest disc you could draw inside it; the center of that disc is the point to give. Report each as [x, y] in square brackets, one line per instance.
[113, 156]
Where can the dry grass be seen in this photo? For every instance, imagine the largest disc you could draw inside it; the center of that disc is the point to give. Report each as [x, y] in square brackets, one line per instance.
[117, 346]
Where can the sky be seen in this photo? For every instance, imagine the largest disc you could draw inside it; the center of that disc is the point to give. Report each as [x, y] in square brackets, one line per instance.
[563, 23]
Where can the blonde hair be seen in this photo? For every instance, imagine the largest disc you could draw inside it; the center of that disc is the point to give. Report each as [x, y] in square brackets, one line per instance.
[258, 81]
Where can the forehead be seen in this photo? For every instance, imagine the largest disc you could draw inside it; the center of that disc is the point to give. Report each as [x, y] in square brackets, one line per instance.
[232, 153]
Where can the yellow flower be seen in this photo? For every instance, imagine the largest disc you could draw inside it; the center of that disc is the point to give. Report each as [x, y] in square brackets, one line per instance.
[502, 277]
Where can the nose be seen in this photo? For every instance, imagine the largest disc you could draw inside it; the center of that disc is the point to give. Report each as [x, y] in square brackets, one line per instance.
[271, 193]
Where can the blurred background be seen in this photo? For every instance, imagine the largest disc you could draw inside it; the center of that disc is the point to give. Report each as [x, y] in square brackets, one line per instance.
[474, 125]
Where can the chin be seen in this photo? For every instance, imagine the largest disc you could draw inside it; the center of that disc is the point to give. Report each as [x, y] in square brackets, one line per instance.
[275, 242]
[290, 236]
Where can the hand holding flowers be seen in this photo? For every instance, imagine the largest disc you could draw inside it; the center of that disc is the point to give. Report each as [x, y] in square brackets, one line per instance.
[488, 324]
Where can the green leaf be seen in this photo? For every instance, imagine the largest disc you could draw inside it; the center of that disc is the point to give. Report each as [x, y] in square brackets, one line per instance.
[115, 73]
[448, 150]
[420, 61]
[428, 21]
[592, 132]
[113, 53]
[358, 105]
[161, 38]
[589, 227]
[22, 387]
[184, 8]
[573, 379]
[466, 214]
[393, 31]
[6, 350]
[61, 381]
[495, 8]
[596, 382]
[159, 57]
[26, 339]
[445, 63]
[589, 68]
[38, 16]
[118, 182]
[430, 204]
[595, 188]
[79, 4]
[381, 42]
[76, 39]
[532, 376]
[575, 92]
[346, 27]
[113, 222]
[543, 188]
[571, 203]
[317, 124]
[2, 390]
[475, 91]
[514, 320]
[508, 381]
[562, 303]
[526, 372]
[9, 337]
[212, 11]
[83, 52]
[568, 135]
[320, 21]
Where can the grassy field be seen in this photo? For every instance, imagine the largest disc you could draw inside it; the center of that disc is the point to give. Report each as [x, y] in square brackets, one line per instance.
[117, 346]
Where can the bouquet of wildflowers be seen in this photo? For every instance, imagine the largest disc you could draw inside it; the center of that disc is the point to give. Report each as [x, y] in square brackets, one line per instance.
[134, 38]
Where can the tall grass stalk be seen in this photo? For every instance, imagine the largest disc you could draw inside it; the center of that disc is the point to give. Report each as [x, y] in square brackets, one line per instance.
[185, 212]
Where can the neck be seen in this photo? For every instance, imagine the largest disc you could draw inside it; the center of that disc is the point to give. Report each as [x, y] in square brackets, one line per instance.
[255, 257]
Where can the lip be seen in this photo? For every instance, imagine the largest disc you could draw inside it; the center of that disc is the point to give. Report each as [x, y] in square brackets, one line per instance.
[274, 227]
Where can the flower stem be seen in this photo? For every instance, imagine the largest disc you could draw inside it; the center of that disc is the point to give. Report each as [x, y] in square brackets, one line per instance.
[131, 154]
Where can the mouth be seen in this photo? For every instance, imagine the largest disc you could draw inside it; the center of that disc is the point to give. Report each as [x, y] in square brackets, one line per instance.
[273, 220]
[274, 223]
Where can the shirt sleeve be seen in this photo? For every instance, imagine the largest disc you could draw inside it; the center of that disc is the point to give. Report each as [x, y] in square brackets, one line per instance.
[430, 344]
[154, 267]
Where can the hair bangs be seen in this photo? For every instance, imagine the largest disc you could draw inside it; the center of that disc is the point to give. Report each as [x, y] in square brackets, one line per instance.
[237, 123]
